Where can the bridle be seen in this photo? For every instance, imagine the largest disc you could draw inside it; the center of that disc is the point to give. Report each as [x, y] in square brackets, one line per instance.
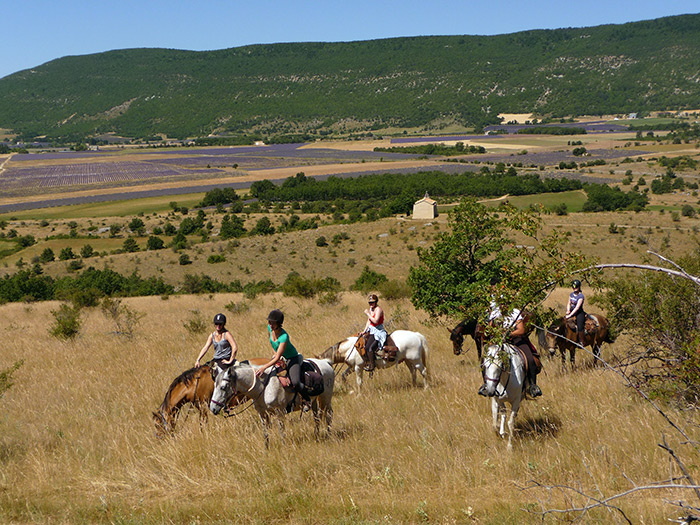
[496, 380]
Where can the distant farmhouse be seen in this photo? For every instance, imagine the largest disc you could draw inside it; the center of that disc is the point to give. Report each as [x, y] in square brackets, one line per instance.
[426, 208]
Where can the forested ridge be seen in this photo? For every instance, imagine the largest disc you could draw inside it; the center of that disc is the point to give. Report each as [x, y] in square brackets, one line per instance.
[320, 88]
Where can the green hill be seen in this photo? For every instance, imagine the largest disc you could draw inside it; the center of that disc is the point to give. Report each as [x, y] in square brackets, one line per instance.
[312, 87]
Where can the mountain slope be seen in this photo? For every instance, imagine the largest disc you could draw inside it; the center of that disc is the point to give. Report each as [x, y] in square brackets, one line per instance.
[402, 81]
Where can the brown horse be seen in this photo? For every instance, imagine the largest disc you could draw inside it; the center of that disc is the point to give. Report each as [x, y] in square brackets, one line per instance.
[468, 327]
[559, 334]
[195, 386]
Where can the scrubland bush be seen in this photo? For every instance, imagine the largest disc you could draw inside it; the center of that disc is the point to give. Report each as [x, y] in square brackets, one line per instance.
[67, 322]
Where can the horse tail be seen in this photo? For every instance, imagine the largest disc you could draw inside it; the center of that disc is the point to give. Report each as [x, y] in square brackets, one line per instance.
[423, 349]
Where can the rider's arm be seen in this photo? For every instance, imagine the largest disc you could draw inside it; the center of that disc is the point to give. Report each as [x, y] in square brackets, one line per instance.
[204, 350]
[374, 315]
[234, 348]
[278, 355]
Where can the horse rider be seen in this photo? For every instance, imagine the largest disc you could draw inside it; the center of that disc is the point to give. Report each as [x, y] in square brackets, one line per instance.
[225, 347]
[574, 308]
[288, 354]
[375, 328]
[518, 337]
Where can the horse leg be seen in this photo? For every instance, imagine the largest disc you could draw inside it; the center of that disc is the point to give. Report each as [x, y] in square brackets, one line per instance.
[265, 419]
[572, 356]
[563, 358]
[511, 426]
[424, 372]
[358, 377]
[412, 369]
[596, 353]
[495, 409]
[346, 373]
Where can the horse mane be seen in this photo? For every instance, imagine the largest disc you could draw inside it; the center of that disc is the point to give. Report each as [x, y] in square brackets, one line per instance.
[469, 325]
[186, 377]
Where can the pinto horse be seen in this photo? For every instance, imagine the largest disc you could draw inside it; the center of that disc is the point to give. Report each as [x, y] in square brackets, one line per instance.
[504, 373]
[194, 386]
[269, 396]
[560, 335]
[412, 350]
[470, 327]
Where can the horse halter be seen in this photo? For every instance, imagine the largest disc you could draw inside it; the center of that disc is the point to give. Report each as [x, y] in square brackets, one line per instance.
[496, 380]
[223, 405]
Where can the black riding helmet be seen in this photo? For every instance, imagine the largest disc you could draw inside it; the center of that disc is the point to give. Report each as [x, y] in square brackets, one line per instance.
[576, 284]
[276, 316]
[220, 319]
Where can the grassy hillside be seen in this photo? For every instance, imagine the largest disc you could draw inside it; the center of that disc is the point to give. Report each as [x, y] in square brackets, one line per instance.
[78, 443]
[321, 87]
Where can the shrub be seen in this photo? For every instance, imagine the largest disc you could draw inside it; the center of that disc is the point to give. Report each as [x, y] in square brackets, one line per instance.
[124, 318]
[196, 324]
[321, 241]
[87, 251]
[688, 211]
[67, 322]
[393, 289]
[184, 259]
[130, 245]
[216, 258]
[155, 243]
[368, 280]
[47, 255]
[6, 377]
[66, 254]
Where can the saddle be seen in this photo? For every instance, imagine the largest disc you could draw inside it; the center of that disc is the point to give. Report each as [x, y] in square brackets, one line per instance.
[387, 352]
[312, 378]
[591, 325]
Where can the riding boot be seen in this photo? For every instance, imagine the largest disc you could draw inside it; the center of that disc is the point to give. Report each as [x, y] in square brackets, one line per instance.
[534, 390]
[291, 404]
[582, 339]
[306, 401]
[370, 366]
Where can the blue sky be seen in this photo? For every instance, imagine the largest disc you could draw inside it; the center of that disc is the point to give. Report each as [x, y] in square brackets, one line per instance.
[42, 30]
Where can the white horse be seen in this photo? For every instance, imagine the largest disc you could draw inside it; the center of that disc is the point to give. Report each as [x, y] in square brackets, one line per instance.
[505, 380]
[412, 350]
[269, 396]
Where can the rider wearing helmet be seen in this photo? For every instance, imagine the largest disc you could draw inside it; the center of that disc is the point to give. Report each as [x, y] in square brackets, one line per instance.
[284, 349]
[225, 346]
[574, 308]
[375, 327]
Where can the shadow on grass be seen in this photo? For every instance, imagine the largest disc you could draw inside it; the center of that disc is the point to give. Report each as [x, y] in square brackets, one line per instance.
[537, 427]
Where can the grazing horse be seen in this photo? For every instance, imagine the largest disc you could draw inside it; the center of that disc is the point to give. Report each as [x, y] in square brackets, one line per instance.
[270, 397]
[412, 350]
[195, 386]
[504, 372]
[469, 327]
[559, 334]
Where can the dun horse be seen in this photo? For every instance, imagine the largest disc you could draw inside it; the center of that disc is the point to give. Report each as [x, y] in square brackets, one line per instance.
[560, 335]
[504, 373]
[412, 349]
[269, 396]
[194, 386]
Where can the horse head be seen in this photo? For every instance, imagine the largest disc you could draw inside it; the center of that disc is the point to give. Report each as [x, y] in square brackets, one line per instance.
[163, 423]
[224, 389]
[457, 339]
[496, 363]
[554, 332]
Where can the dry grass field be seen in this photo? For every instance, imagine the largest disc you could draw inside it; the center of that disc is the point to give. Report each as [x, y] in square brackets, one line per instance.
[78, 445]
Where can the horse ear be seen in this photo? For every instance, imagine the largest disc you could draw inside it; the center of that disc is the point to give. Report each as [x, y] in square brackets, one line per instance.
[450, 331]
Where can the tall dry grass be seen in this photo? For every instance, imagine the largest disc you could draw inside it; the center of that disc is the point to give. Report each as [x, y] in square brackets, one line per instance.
[77, 442]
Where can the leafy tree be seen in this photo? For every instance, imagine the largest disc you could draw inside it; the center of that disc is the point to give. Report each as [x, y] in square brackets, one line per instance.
[66, 254]
[368, 280]
[219, 196]
[489, 255]
[130, 245]
[169, 229]
[184, 259]
[137, 226]
[47, 255]
[231, 227]
[155, 243]
[87, 251]
[263, 227]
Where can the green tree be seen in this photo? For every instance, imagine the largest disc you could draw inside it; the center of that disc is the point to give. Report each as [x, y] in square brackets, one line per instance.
[130, 245]
[231, 227]
[87, 251]
[489, 255]
[155, 243]
[47, 255]
[137, 226]
[66, 254]
[263, 227]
